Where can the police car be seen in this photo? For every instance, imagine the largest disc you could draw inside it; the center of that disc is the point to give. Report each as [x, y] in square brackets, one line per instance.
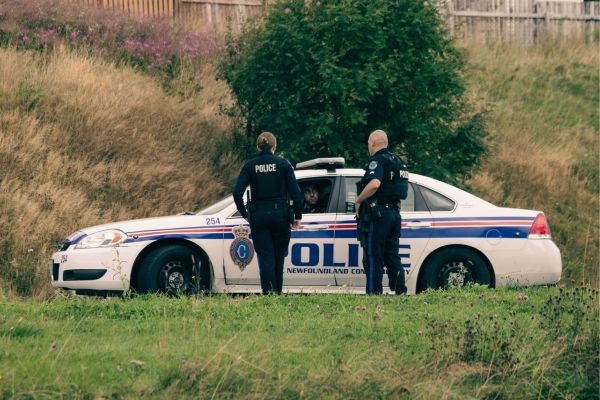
[449, 238]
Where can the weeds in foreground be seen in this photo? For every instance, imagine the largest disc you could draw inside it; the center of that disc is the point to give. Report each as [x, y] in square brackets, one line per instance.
[434, 345]
[562, 335]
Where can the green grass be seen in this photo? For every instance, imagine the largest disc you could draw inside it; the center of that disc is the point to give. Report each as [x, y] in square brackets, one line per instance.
[477, 343]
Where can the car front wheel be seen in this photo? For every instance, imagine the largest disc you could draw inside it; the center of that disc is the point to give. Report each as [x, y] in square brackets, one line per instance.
[456, 267]
[169, 269]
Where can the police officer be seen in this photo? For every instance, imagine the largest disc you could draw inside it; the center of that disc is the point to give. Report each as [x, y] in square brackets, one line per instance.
[385, 183]
[271, 180]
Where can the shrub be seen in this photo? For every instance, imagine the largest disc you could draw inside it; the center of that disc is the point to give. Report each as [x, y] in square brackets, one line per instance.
[323, 74]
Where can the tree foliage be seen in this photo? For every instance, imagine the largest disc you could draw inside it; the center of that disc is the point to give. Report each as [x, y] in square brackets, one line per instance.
[322, 75]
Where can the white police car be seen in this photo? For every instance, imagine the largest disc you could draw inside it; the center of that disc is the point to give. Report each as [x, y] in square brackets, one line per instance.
[449, 237]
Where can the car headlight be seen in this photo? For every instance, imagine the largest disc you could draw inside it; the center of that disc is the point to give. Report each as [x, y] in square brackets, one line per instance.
[111, 237]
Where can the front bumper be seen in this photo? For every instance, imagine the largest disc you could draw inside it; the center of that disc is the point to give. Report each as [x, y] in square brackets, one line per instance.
[102, 269]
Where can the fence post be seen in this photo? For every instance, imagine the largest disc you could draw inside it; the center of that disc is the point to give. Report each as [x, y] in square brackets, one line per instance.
[450, 16]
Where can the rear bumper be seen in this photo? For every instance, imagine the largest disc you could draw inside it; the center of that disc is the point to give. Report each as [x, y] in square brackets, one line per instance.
[537, 263]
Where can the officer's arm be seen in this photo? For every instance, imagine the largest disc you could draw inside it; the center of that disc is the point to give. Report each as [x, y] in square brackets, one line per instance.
[294, 191]
[238, 191]
[374, 176]
[368, 191]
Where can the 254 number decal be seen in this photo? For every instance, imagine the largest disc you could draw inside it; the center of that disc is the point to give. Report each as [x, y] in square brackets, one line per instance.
[213, 221]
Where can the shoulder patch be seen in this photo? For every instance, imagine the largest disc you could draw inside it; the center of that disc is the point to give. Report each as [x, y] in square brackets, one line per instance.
[373, 164]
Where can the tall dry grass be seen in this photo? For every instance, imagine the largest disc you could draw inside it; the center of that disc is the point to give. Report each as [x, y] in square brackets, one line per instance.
[544, 149]
[84, 142]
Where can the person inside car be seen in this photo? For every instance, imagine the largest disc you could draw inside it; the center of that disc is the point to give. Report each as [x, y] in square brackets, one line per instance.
[313, 203]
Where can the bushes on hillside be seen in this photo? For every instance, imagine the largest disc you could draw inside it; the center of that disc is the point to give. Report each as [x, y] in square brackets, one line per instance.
[151, 45]
[323, 74]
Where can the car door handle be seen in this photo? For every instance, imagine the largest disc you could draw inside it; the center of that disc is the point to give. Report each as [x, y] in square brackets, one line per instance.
[315, 227]
[418, 224]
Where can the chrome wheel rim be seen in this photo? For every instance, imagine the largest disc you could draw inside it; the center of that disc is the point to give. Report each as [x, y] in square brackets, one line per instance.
[455, 274]
[174, 277]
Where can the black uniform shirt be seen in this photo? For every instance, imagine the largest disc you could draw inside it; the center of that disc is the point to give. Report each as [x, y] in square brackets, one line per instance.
[271, 178]
[391, 172]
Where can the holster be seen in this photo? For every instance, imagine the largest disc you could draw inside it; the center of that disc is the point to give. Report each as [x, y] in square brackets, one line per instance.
[362, 226]
[373, 209]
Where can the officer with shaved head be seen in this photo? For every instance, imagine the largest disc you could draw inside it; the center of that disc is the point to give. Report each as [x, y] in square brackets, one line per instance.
[384, 184]
[272, 181]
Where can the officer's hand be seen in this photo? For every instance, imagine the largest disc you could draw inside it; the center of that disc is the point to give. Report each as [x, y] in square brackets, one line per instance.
[296, 224]
[357, 210]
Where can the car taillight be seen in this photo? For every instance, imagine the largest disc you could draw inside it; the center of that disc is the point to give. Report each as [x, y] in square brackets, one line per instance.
[540, 228]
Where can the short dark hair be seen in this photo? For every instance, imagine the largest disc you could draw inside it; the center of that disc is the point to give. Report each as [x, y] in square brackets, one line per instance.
[310, 186]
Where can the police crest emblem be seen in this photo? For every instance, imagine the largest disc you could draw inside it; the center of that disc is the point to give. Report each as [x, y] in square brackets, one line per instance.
[241, 249]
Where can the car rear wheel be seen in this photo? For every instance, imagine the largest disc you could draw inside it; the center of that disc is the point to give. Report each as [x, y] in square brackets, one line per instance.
[170, 269]
[456, 267]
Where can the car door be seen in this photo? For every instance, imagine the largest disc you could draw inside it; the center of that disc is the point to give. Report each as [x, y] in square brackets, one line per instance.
[310, 247]
[240, 263]
[415, 233]
[308, 262]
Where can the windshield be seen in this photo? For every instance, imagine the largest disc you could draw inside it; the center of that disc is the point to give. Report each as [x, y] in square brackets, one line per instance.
[217, 207]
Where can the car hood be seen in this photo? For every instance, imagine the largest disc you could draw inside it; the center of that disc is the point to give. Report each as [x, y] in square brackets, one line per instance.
[138, 225]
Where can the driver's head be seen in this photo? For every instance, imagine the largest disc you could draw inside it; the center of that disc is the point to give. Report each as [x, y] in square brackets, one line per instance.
[311, 194]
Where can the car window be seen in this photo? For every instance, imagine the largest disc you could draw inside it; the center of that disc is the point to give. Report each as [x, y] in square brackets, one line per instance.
[412, 203]
[316, 195]
[408, 204]
[436, 201]
[350, 191]
[318, 191]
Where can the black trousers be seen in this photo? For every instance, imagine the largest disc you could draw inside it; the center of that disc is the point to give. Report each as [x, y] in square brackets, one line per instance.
[382, 248]
[271, 238]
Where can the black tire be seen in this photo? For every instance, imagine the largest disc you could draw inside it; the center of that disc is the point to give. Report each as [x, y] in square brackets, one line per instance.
[172, 269]
[454, 267]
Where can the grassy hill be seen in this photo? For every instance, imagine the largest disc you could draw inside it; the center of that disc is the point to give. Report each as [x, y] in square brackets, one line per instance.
[84, 142]
[545, 141]
[94, 130]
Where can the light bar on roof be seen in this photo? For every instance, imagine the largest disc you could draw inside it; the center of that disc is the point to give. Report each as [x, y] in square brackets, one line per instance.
[318, 163]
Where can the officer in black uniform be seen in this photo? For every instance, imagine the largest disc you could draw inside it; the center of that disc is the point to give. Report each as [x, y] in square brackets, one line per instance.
[384, 184]
[271, 180]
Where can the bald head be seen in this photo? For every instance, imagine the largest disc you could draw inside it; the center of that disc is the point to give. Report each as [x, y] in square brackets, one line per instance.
[377, 140]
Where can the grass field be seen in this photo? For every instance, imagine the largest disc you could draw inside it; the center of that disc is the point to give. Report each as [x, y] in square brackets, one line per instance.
[478, 343]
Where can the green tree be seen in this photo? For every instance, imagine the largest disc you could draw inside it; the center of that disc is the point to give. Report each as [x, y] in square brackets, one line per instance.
[323, 74]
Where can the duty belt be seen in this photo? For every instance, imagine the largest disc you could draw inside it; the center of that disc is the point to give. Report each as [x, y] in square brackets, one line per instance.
[389, 204]
[268, 205]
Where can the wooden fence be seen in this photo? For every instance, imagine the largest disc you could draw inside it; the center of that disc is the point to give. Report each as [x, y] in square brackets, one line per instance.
[522, 21]
[138, 8]
[220, 14]
[515, 21]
